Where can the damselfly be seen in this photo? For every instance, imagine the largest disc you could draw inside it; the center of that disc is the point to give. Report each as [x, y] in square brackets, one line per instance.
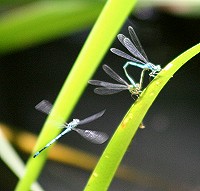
[140, 58]
[110, 88]
[96, 137]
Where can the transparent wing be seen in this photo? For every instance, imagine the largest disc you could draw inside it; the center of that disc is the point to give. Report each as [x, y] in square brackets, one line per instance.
[133, 50]
[91, 118]
[126, 42]
[121, 38]
[137, 42]
[106, 84]
[106, 91]
[124, 55]
[114, 75]
[96, 137]
[44, 106]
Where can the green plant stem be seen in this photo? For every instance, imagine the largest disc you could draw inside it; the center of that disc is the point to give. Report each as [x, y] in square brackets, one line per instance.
[114, 152]
[109, 22]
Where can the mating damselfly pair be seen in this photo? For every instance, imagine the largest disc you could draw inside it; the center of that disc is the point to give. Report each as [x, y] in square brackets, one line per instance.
[138, 59]
[96, 137]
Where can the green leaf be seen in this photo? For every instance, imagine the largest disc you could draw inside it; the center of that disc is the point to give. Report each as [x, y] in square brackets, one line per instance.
[114, 152]
[104, 31]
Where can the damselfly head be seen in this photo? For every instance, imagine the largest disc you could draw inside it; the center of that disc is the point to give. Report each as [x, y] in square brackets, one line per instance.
[134, 90]
[153, 68]
[158, 68]
[75, 122]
